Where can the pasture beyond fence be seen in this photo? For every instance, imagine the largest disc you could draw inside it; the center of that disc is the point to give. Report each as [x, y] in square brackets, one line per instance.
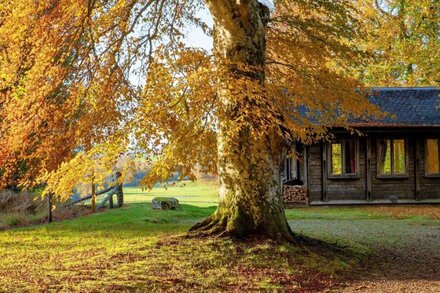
[114, 190]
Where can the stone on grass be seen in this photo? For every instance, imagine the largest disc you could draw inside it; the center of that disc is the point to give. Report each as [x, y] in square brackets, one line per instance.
[165, 203]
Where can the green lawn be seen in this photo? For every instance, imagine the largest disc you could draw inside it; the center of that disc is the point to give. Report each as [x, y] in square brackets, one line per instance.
[201, 193]
[137, 248]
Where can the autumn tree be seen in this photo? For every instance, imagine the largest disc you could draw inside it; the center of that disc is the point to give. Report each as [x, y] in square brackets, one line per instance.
[85, 81]
[404, 40]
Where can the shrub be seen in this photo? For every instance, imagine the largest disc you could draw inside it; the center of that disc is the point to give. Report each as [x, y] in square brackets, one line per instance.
[21, 202]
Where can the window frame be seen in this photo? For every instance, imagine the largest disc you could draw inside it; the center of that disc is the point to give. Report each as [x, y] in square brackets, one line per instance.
[426, 174]
[343, 175]
[287, 172]
[392, 175]
[293, 166]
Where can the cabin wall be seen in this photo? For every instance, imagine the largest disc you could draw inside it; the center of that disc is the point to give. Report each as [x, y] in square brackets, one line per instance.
[369, 187]
[384, 188]
[352, 188]
[314, 174]
[429, 186]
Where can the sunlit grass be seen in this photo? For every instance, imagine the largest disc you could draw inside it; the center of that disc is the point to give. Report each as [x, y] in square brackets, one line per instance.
[138, 248]
[200, 193]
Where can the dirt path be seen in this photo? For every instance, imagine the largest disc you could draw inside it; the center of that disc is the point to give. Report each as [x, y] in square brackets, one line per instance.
[407, 253]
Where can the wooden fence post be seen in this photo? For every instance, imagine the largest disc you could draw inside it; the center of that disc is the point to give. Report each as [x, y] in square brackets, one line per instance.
[49, 207]
[110, 202]
[119, 191]
[93, 196]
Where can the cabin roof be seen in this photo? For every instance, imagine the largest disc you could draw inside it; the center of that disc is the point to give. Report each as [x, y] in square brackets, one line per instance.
[408, 106]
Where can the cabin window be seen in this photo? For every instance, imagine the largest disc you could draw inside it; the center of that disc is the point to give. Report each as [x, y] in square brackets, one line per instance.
[432, 157]
[392, 157]
[343, 158]
[290, 169]
[287, 169]
[336, 158]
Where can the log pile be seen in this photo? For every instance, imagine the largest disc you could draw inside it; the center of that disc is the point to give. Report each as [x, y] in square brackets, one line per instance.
[295, 194]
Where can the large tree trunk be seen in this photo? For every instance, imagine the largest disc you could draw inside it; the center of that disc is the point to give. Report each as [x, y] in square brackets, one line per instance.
[249, 152]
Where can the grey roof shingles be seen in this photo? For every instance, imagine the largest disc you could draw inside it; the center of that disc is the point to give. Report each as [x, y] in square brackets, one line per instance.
[408, 106]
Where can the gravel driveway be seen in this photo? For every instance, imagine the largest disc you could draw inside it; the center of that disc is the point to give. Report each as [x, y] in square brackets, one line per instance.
[406, 252]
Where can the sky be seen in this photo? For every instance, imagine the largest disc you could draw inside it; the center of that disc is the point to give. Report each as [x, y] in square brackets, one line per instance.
[196, 37]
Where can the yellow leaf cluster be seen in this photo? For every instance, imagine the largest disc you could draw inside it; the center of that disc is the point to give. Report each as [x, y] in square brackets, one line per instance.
[83, 82]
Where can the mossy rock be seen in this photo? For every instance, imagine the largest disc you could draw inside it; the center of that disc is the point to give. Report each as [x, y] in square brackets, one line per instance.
[165, 203]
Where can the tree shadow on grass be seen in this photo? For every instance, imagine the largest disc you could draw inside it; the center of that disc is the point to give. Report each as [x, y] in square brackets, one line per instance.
[319, 258]
[307, 265]
[145, 236]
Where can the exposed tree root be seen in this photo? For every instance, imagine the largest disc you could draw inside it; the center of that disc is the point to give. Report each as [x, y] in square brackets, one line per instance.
[219, 228]
[210, 227]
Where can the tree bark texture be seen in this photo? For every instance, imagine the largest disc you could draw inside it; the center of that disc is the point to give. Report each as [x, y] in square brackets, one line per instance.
[250, 202]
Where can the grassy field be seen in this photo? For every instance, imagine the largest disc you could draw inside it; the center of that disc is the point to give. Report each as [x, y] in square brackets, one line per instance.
[202, 193]
[137, 248]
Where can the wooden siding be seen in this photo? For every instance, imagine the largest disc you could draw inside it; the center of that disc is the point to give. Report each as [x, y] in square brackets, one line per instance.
[314, 173]
[429, 186]
[369, 186]
[384, 188]
[350, 188]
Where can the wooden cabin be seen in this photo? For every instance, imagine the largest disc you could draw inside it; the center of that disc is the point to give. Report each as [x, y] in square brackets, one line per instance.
[395, 160]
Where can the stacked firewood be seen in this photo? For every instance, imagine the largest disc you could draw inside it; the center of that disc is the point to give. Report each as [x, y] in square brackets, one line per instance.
[295, 194]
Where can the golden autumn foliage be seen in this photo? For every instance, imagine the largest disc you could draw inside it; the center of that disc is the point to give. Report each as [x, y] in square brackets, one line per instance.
[404, 40]
[85, 81]
[64, 78]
